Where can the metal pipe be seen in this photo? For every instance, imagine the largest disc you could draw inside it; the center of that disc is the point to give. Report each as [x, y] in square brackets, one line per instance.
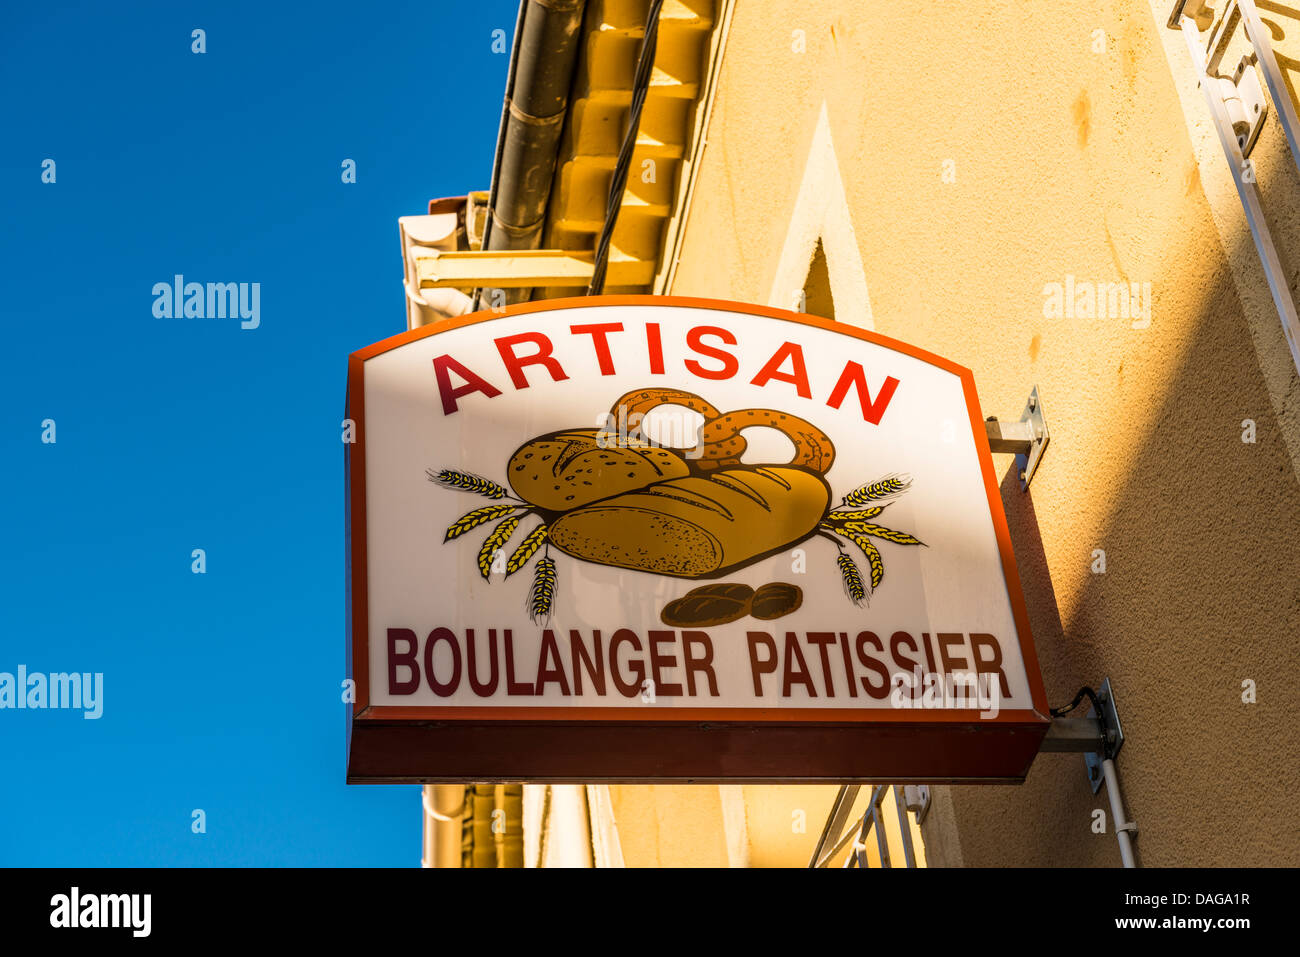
[501, 129]
[878, 820]
[532, 119]
[859, 856]
[1078, 735]
[835, 821]
[1122, 826]
[444, 809]
[904, 826]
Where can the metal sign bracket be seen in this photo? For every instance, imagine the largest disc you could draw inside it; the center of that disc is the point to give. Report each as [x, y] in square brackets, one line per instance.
[1109, 719]
[1026, 439]
[1098, 736]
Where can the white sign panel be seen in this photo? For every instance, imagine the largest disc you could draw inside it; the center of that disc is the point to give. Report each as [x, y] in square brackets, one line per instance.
[637, 508]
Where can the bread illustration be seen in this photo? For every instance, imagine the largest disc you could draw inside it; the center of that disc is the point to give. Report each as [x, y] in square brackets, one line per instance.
[708, 605]
[569, 469]
[721, 603]
[694, 526]
[775, 600]
[615, 497]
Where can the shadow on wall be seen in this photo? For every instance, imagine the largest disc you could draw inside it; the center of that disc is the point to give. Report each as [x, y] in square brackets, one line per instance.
[1199, 594]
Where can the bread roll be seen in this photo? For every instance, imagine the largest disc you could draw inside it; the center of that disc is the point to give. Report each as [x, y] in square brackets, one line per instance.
[696, 527]
[565, 470]
[708, 605]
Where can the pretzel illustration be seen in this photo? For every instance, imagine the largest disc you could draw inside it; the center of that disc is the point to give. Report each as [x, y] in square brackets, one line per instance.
[721, 444]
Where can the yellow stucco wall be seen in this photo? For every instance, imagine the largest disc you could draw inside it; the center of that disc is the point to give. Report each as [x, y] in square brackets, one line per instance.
[771, 826]
[1068, 162]
[669, 825]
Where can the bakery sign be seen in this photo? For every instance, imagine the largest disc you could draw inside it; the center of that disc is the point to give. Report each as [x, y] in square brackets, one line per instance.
[652, 538]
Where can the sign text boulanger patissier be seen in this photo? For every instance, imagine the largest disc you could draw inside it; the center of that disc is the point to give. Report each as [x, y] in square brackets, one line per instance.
[711, 521]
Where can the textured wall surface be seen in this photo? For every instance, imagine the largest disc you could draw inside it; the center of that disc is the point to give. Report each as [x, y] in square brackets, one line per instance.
[673, 825]
[1063, 161]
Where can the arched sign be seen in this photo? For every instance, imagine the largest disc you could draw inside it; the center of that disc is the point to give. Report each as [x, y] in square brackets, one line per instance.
[655, 538]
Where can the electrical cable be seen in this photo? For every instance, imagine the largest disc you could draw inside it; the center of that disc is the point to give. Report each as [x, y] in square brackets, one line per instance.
[1107, 733]
[618, 182]
[1085, 691]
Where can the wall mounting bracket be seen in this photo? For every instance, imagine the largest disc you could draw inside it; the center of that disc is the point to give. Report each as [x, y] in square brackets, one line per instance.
[1113, 732]
[1026, 439]
[1098, 737]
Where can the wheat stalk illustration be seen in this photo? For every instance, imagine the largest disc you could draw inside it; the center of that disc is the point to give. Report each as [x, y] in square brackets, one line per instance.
[494, 542]
[526, 549]
[848, 523]
[872, 553]
[508, 515]
[879, 531]
[467, 482]
[887, 487]
[852, 578]
[476, 518]
[855, 515]
[541, 597]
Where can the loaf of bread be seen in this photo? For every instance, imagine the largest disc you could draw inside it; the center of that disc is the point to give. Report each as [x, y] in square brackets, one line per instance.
[708, 605]
[696, 527]
[569, 469]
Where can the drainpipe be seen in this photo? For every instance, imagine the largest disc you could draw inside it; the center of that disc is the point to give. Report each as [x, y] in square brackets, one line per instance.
[1122, 826]
[444, 808]
[537, 98]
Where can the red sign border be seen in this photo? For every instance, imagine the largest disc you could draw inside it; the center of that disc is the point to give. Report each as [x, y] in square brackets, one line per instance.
[1034, 721]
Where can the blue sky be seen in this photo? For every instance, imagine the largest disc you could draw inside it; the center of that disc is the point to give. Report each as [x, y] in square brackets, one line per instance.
[221, 690]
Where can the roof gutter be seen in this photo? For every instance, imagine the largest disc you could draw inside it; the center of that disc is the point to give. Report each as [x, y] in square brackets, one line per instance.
[547, 39]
